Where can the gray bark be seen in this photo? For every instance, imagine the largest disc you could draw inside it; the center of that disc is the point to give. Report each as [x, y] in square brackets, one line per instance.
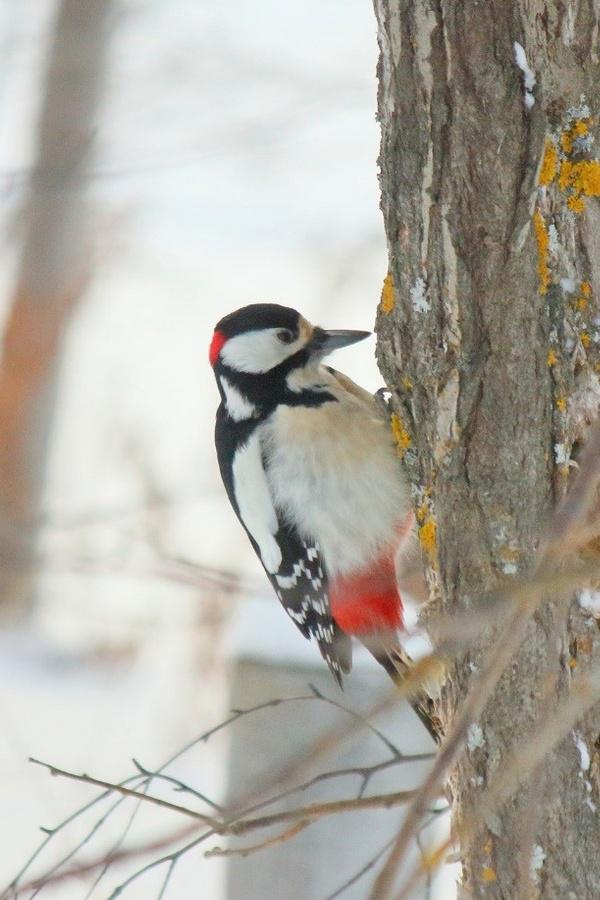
[489, 346]
[53, 268]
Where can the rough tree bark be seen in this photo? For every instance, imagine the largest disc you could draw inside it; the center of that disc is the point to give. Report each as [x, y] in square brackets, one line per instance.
[489, 341]
[53, 268]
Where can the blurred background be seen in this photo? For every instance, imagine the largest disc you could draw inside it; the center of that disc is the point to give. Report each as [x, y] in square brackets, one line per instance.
[160, 165]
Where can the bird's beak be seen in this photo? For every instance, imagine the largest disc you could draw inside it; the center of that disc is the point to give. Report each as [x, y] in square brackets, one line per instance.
[325, 342]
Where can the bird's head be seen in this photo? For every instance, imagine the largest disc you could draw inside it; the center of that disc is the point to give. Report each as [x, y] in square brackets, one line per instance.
[256, 349]
[259, 338]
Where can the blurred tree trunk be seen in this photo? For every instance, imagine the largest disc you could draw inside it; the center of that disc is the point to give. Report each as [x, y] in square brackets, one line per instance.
[52, 272]
[489, 341]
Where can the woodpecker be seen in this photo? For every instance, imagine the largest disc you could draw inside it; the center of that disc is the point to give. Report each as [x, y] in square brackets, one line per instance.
[310, 467]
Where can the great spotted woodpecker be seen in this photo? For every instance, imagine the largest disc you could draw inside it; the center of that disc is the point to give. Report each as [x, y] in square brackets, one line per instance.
[310, 468]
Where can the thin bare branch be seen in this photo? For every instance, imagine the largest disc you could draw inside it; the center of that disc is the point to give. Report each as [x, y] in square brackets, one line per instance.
[202, 738]
[114, 849]
[51, 832]
[127, 792]
[107, 860]
[318, 810]
[274, 841]
[177, 784]
[361, 872]
[463, 628]
[167, 878]
[236, 821]
[309, 814]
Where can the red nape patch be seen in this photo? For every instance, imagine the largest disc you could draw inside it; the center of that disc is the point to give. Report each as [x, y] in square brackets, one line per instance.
[368, 601]
[216, 345]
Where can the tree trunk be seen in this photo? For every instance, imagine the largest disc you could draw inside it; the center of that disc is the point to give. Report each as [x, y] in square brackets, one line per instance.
[489, 342]
[53, 267]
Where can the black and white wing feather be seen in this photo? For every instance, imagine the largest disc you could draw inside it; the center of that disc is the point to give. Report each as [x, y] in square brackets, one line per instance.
[301, 585]
[293, 565]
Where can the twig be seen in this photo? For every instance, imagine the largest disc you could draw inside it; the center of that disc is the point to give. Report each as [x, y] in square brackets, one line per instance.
[51, 832]
[165, 884]
[365, 772]
[127, 792]
[202, 738]
[279, 838]
[84, 840]
[235, 825]
[114, 849]
[177, 784]
[107, 860]
[461, 628]
[362, 871]
[357, 716]
[236, 820]
[304, 760]
[318, 810]
[308, 814]
[427, 869]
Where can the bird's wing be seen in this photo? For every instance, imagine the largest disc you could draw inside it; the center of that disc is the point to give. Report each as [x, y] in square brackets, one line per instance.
[373, 402]
[301, 585]
[293, 565]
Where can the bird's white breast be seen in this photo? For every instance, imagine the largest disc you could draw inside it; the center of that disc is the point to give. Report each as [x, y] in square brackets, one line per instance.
[334, 474]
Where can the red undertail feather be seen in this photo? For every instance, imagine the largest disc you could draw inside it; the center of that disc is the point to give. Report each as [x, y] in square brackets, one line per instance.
[368, 601]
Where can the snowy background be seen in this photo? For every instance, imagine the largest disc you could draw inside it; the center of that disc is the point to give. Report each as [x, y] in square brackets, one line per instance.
[234, 161]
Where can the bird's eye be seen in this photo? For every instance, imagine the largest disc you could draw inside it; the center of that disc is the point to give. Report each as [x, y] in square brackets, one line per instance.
[285, 336]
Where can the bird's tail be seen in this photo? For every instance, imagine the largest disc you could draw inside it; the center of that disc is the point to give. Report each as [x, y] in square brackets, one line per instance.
[402, 670]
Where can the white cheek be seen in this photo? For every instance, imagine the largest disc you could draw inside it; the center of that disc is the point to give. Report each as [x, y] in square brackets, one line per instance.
[256, 351]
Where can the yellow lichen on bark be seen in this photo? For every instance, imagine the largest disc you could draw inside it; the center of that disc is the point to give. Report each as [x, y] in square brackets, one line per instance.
[552, 358]
[564, 176]
[579, 128]
[427, 530]
[576, 204]
[428, 536]
[401, 435]
[543, 245]
[387, 295]
[488, 875]
[583, 178]
[549, 165]
[586, 289]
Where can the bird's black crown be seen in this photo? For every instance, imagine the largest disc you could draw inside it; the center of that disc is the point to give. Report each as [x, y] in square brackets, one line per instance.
[257, 316]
